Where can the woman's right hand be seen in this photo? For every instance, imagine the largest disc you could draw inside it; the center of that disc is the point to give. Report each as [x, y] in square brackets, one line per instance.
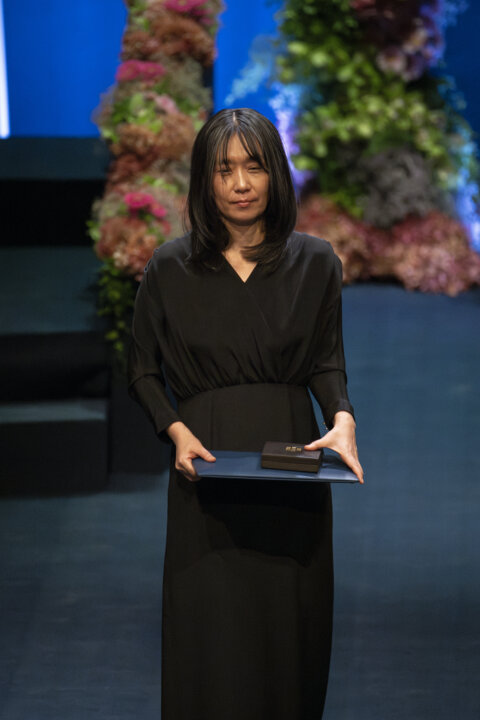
[188, 446]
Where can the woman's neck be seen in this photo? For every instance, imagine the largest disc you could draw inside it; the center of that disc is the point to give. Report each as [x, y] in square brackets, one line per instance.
[242, 237]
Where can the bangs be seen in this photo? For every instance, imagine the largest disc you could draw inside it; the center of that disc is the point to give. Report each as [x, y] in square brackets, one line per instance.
[250, 144]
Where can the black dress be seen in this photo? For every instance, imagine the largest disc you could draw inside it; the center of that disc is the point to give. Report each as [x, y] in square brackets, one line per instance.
[248, 581]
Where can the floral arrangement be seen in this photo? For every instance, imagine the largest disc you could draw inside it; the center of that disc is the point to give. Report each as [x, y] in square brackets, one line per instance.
[392, 162]
[149, 118]
[428, 253]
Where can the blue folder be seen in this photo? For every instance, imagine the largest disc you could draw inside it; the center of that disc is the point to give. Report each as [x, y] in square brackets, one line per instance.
[230, 464]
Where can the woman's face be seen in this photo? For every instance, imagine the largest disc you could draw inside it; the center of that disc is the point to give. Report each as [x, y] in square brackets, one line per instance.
[240, 188]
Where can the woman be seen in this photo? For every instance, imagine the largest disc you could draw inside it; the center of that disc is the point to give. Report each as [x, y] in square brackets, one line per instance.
[243, 314]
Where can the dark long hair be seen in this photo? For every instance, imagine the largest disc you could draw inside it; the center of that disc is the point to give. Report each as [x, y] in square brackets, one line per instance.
[260, 138]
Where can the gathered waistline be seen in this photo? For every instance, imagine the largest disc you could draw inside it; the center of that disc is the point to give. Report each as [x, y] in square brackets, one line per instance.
[242, 388]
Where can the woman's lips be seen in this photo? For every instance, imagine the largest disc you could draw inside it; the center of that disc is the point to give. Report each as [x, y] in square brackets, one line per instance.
[243, 203]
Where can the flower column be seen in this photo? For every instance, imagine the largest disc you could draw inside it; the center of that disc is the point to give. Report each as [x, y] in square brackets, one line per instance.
[150, 119]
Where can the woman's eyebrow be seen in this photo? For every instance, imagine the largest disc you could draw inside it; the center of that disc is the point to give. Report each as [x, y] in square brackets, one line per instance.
[238, 161]
[222, 164]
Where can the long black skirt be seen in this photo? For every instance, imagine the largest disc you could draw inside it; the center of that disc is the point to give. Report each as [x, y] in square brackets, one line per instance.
[248, 578]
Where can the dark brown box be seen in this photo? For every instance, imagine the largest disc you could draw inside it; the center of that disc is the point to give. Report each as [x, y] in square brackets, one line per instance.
[290, 456]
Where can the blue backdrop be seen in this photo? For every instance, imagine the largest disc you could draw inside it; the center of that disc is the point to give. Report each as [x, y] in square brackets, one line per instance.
[241, 23]
[62, 55]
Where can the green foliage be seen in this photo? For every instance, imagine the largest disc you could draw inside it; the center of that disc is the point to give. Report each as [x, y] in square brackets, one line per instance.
[116, 299]
[160, 182]
[309, 19]
[350, 107]
[140, 109]
[137, 14]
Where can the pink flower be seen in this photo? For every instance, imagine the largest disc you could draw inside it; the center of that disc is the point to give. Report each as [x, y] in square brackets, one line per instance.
[158, 210]
[186, 6]
[127, 71]
[133, 69]
[164, 102]
[196, 8]
[138, 200]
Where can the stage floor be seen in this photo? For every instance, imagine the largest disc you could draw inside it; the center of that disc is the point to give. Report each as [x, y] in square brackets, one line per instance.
[80, 576]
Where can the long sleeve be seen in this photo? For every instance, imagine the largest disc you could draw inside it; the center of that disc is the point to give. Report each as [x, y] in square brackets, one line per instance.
[146, 381]
[328, 381]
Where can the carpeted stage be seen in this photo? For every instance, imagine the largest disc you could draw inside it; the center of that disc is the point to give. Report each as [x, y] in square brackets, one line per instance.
[81, 573]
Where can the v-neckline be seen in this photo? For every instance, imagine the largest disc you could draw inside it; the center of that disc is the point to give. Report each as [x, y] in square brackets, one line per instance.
[244, 282]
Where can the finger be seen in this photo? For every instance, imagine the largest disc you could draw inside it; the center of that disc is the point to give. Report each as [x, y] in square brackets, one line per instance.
[350, 458]
[188, 467]
[357, 469]
[361, 475]
[205, 454]
[354, 465]
[187, 470]
[189, 476]
[317, 444]
[185, 474]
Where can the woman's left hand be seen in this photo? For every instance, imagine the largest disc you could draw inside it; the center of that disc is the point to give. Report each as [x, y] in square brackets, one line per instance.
[341, 439]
